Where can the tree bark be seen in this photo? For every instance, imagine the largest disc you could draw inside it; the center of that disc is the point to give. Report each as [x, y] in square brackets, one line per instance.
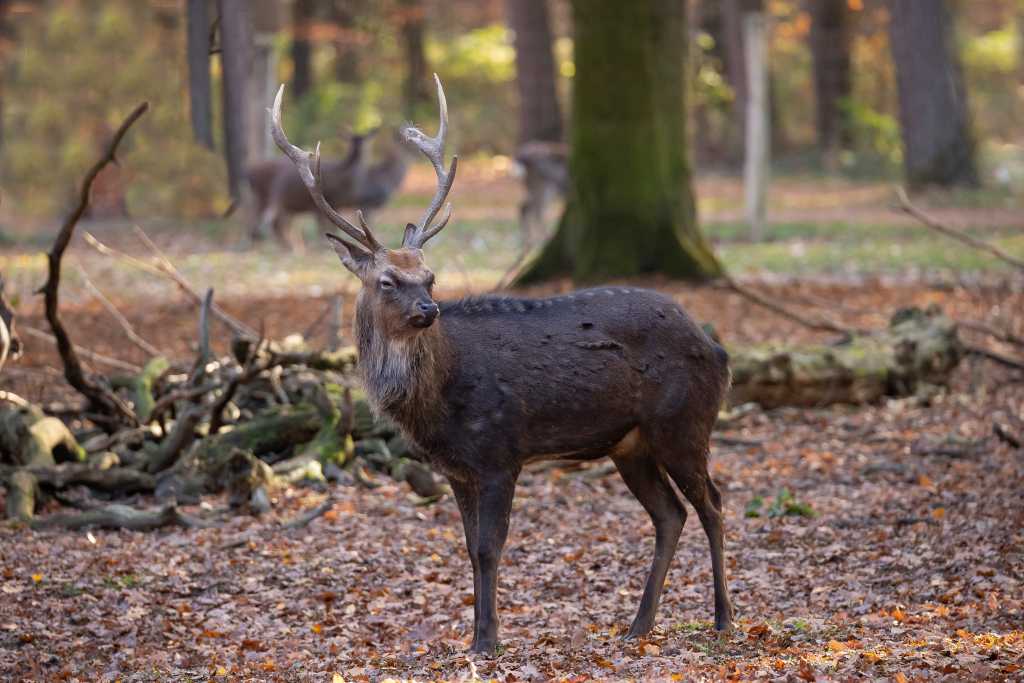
[198, 55]
[831, 36]
[539, 115]
[938, 147]
[302, 49]
[758, 122]
[346, 48]
[236, 53]
[631, 207]
[416, 86]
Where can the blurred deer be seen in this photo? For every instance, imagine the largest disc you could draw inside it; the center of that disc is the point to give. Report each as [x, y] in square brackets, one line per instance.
[545, 171]
[351, 182]
[482, 386]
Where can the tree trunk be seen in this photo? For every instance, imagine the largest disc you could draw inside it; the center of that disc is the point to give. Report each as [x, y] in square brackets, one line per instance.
[831, 35]
[938, 148]
[416, 87]
[199, 89]
[236, 53]
[539, 115]
[631, 207]
[302, 49]
[758, 120]
[346, 48]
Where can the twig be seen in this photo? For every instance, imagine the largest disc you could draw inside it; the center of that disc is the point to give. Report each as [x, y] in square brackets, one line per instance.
[512, 271]
[165, 269]
[11, 397]
[1004, 435]
[999, 335]
[819, 325]
[10, 347]
[305, 518]
[129, 331]
[100, 398]
[995, 357]
[334, 324]
[84, 352]
[907, 207]
[203, 355]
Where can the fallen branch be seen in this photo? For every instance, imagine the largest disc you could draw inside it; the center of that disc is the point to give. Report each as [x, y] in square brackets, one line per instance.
[165, 266]
[1003, 433]
[165, 269]
[906, 206]
[999, 335]
[129, 331]
[101, 399]
[10, 346]
[997, 358]
[84, 352]
[118, 516]
[120, 480]
[819, 325]
[306, 517]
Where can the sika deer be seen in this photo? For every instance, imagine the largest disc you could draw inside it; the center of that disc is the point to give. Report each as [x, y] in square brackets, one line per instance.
[351, 182]
[484, 385]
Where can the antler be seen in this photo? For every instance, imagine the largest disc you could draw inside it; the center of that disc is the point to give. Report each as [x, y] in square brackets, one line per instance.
[433, 148]
[314, 183]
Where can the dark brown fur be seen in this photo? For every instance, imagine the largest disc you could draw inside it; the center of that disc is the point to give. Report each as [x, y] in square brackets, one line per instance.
[497, 382]
[483, 386]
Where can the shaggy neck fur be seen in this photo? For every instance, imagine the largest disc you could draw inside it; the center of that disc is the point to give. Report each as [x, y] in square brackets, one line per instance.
[403, 376]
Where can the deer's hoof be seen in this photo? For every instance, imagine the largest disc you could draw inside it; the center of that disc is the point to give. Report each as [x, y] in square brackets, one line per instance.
[638, 631]
[484, 648]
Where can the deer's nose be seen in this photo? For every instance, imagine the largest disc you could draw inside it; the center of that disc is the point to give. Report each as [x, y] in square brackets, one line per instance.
[425, 313]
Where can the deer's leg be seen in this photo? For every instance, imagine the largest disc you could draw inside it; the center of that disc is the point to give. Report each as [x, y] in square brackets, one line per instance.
[691, 476]
[467, 498]
[647, 482]
[493, 509]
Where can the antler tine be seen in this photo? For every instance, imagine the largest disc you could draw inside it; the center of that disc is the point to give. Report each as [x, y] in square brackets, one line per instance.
[312, 179]
[433, 149]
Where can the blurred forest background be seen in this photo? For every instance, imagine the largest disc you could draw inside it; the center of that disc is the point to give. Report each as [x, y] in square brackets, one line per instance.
[71, 68]
[870, 452]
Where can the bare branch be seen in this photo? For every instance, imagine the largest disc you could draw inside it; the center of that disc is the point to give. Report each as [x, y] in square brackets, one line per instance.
[84, 352]
[819, 324]
[164, 268]
[101, 399]
[907, 207]
[129, 331]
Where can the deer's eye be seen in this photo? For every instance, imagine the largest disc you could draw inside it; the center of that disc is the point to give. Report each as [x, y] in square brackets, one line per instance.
[386, 284]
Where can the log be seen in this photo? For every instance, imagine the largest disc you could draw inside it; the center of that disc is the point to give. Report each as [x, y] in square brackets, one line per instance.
[115, 480]
[142, 387]
[117, 516]
[21, 495]
[920, 348]
[29, 438]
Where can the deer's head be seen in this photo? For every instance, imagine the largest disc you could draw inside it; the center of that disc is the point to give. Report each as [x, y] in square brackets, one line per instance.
[397, 282]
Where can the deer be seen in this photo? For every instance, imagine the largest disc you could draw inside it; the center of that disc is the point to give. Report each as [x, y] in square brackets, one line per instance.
[482, 386]
[544, 167]
[351, 182]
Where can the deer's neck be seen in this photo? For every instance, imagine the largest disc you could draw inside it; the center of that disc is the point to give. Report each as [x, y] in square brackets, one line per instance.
[404, 377]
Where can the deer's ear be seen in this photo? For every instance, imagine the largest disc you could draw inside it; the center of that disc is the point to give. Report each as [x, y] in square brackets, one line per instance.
[409, 230]
[355, 258]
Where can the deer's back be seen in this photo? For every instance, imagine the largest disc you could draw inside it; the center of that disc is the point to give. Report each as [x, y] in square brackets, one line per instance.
[571, 375]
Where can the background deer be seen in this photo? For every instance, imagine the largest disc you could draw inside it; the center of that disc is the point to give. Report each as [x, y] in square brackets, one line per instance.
[352, 182]
[545, 170]
[484, 385]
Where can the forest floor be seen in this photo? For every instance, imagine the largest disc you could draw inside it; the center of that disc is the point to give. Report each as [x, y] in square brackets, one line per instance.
[883, 541]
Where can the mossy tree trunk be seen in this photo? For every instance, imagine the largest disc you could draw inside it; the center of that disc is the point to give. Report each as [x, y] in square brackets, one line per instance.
[631, 207]
[938, 145]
